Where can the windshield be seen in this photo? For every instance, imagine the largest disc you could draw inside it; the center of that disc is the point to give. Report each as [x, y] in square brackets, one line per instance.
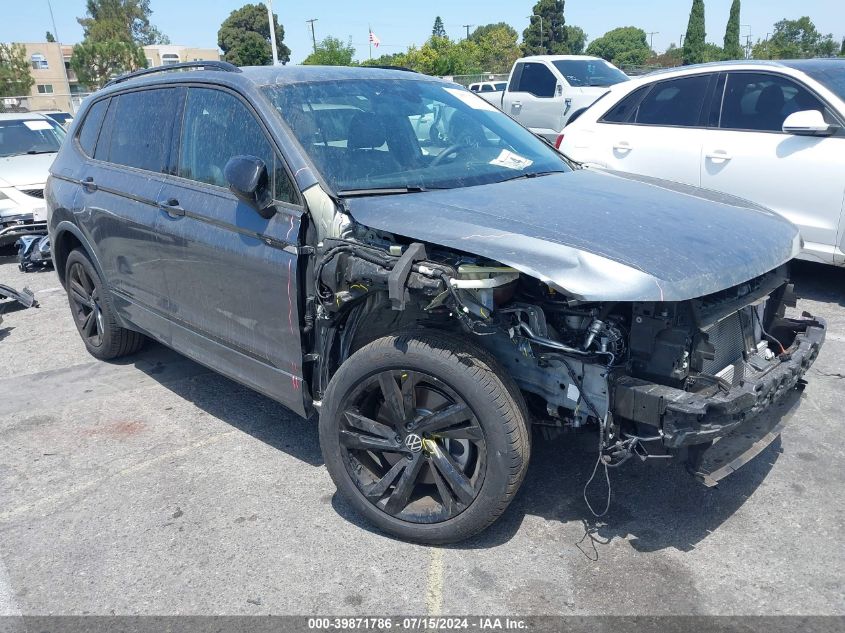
[379, 134]
[831, 76]
[34, 136]
[589, 72]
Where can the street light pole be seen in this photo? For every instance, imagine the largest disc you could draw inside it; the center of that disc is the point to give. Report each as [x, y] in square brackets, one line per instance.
[61, 58]
[269, 5]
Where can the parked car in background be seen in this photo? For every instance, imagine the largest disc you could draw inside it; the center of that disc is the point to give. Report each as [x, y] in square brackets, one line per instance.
[62, 118]
[427, 294]
[544, 91]
[28, 143]
[769, 131]
[490, 91]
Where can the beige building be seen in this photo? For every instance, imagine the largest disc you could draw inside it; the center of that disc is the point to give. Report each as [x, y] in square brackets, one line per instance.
[56, 86]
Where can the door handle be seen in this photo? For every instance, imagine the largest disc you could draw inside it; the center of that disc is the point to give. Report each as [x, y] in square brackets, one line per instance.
[172, 208]
[89, 185]
[622, 146]
[717, 156]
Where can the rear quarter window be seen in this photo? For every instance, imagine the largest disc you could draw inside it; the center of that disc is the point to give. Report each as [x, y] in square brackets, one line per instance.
[90, 130]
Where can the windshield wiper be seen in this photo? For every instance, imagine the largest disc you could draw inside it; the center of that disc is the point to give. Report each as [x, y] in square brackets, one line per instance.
[380, 191]
[535, 174]
[42, 151]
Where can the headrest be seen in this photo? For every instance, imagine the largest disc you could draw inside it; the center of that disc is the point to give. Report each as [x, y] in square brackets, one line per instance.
[366, 131]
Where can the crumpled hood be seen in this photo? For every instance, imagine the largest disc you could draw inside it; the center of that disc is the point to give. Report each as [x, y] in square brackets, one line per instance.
[26, 169]
[597, 235]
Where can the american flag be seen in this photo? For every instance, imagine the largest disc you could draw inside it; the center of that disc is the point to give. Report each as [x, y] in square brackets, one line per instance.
[375, 41]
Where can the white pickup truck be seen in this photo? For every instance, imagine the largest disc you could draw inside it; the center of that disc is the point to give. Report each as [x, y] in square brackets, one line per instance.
[544, 91]
[490, 91]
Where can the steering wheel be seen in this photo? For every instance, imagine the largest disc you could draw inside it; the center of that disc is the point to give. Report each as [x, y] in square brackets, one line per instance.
[454, 148]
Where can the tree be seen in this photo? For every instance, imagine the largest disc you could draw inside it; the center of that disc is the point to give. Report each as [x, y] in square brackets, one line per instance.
[625, 46]
[244, 37]
[438, 30]
[576, 39]
[15, 76]
[50, 37]
[794, 39]
[96, 62]
[121, 20]
[695, 38]
[332, 52]
[671, 57]
[497, 47]
[732, 48]
[391, 59]
[546, 34]
[842, 50]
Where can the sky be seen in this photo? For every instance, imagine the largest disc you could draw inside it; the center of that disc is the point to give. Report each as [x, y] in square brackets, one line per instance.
[399, 23]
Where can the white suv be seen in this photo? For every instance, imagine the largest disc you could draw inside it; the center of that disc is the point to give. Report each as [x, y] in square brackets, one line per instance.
[769, 131]
[28, 144]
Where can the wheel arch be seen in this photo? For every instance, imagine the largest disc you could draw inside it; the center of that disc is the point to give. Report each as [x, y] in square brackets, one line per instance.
[67, 237]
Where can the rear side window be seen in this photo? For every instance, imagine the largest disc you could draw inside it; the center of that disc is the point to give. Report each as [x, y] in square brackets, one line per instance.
[761, 102]
[537, 80]
[91, 126]
[621, 112]
[140, 129]
[674, 102]
[218, 126]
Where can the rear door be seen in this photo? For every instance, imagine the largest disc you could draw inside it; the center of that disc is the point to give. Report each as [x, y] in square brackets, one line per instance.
[658, 130]
[232, 274]
[119, 194]
[748, 154]
[532, 98]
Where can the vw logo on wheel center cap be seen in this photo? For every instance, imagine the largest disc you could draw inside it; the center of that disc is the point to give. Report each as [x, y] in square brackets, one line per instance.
[414, 442]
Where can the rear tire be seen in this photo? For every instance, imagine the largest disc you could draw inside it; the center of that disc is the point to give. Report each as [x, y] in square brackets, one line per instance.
[441, 456]
[90, 305]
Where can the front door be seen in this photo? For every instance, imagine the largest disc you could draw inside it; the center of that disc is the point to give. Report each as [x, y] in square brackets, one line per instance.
[232, 274]
[799, 177]
[532, 99]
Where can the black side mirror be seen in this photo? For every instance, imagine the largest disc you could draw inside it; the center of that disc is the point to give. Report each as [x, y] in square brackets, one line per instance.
[248, 180]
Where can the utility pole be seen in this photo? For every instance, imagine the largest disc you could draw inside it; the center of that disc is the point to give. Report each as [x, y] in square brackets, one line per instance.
[313, 37]
[747, 40]
[61, 58]
[269, 5]
[651, 35]
[467, 27]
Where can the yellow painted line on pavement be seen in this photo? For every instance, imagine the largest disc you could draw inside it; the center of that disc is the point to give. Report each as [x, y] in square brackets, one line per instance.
[434, 590]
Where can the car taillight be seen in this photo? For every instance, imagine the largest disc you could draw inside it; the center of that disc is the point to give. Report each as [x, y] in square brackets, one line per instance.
[558, 141]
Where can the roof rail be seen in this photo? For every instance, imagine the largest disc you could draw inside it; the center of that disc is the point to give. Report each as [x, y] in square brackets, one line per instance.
[197, 65]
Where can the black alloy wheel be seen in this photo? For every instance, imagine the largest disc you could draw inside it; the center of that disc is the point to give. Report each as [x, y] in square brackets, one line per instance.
[86, 305]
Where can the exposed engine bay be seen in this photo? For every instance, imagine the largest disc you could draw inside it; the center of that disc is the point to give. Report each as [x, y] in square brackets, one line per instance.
[654, 377]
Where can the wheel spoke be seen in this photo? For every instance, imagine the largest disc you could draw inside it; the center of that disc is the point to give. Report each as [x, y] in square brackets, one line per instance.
[446, 417]
[457, 481]
[79, 294]
[409, 393]
[377, 489]
[85, 280]
[392, 396]
[360, 441]
[446, 497]
[404, 487]
[89, 327]
[471, 432]
[363, 423]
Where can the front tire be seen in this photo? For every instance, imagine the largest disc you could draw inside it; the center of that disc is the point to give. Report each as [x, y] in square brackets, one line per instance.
[425, 435]
[92, 312]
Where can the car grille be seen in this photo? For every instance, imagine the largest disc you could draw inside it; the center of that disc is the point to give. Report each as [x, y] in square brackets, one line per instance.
[728, 339]
[34, 193]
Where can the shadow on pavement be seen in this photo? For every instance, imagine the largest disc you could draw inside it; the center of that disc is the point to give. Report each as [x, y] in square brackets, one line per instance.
[819, 282]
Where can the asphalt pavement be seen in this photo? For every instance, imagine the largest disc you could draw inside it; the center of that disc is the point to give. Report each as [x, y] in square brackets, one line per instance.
[154, 486]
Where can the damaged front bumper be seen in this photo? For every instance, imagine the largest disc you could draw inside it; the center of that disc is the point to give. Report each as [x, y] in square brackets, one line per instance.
[706, 419]
[18, 226]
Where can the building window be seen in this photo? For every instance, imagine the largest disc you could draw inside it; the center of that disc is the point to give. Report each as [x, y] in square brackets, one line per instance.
[149, 62]
[39, 62]
[45, 89]
[169, 58]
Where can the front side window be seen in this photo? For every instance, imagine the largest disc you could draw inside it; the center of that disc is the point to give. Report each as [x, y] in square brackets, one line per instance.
[675, 102]
[590, 72]
[140, 129]
[30, 136]
[537, 80]
[218, 126]
[391, 133]
[761, 102]
[90, 130]
[622, 112]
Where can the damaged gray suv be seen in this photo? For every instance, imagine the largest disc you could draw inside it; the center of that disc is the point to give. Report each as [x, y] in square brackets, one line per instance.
[389, 253]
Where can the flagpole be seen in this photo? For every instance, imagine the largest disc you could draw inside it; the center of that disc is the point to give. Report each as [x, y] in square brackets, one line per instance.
[370, 39]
